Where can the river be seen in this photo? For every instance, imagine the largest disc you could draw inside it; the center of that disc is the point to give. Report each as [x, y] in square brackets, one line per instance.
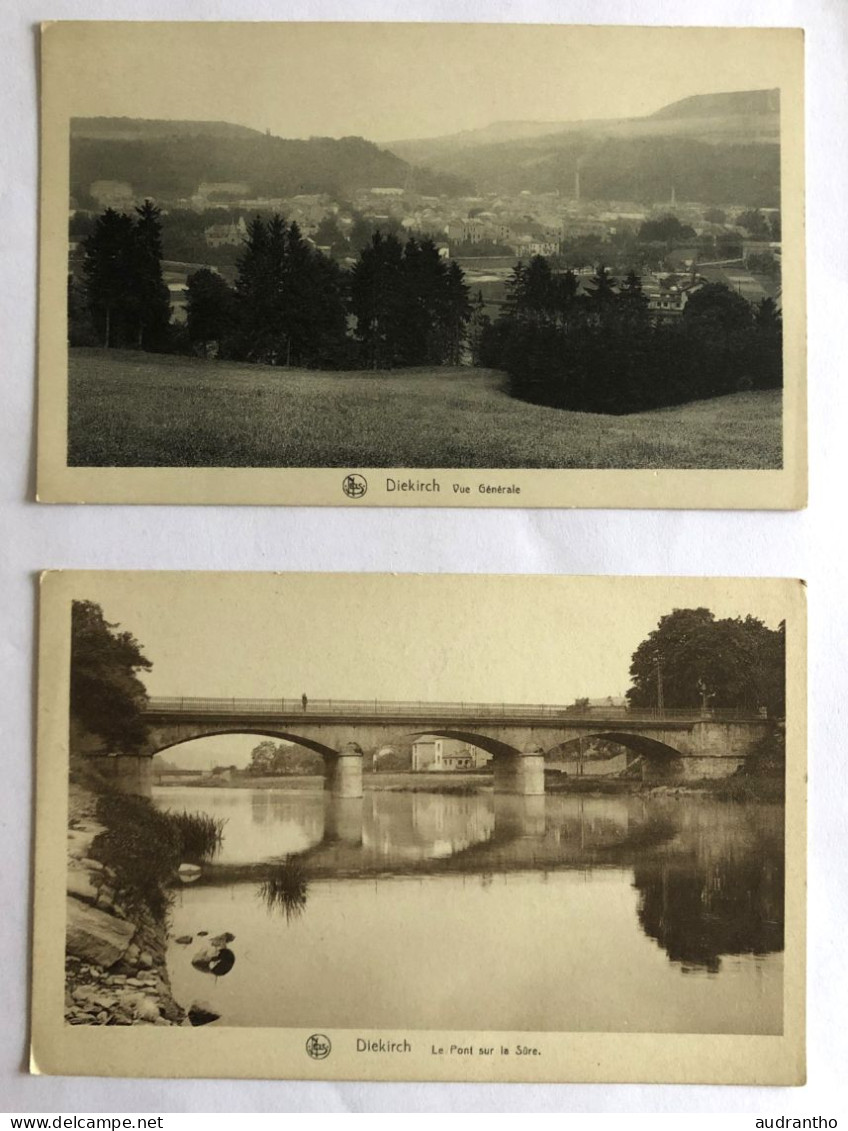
[433, 911]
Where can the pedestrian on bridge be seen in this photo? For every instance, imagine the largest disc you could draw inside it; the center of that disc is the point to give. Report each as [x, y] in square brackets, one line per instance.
[304, 700]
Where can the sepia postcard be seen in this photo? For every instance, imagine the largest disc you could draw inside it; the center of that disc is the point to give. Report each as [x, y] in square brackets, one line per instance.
[421, 264]
[420, 827]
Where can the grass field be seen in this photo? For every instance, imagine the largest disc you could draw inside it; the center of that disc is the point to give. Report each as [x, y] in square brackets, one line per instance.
[142, 410]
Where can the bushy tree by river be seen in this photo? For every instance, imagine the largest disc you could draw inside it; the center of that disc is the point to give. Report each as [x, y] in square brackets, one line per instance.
[702, 660]
[107, 696]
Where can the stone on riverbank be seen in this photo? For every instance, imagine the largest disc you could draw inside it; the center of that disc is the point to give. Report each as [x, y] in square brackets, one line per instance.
[95, 936]
[80, 885]
[199, 1013]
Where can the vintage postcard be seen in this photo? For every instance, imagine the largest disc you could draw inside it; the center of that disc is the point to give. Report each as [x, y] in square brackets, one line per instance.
[421, 827]
[418, 264]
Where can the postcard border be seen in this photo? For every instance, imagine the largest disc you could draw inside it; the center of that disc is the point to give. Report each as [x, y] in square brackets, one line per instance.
[784, 489]
[152, 1051]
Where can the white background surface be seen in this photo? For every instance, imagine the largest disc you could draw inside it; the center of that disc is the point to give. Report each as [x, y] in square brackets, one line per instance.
[809, 544]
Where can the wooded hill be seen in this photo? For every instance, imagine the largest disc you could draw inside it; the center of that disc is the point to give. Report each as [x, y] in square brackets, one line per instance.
[717, 148]
[170, 160]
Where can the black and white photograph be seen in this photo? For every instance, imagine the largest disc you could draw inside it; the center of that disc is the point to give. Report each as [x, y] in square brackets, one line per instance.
[421, 827]
[419, 264]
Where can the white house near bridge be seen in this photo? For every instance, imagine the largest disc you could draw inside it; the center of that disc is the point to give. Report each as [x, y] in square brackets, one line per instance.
[446, 754]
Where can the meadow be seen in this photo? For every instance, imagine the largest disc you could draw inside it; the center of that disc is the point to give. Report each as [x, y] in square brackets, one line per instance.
[133, 409]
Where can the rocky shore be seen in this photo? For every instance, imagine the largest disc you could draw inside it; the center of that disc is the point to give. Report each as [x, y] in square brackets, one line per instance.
[115, 969]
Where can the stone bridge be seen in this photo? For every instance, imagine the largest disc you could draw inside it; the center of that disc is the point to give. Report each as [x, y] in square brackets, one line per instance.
[671, 743]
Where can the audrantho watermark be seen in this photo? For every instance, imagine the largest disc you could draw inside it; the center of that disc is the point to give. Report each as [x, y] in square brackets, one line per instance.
[793, 1121]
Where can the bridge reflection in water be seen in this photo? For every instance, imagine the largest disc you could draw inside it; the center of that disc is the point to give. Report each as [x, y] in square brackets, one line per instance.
[709, 875]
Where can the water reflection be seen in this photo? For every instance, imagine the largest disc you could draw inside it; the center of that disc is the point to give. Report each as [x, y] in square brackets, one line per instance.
[343, 820]
[517, 817]
[590, 887]
[423, 826]
[721, 895]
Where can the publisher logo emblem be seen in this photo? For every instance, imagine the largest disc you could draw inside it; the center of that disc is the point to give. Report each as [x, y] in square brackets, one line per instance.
[318, 1046]
[354, 486]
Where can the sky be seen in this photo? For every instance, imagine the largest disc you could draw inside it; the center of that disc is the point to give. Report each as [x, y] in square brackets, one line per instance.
[455, 638]
[397, 81]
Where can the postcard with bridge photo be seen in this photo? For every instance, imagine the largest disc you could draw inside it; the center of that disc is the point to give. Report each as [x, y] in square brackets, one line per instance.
[473, 265]
[412, 827]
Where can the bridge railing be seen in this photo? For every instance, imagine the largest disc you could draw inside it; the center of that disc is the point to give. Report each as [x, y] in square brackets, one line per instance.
[194, 705]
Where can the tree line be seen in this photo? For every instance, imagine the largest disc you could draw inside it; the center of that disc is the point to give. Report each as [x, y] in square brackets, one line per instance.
[701, 660]
[600, 350]
[279, 759]
[596, 349]
[402, 303]
[122, 300]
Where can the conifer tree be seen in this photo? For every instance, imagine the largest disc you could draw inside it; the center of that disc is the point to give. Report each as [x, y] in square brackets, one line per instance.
[479, 329]
[255, 288]
[126, 295]
[456, 315]
[290, 300]
[153, 310]
[377, 300]
[108, 268]
[633, 302]
[604, 294]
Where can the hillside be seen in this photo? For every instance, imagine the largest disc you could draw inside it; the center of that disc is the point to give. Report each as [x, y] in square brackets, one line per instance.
[725, 103]
[170, 160]
[128, 129]
[714, 148]
[134, 409]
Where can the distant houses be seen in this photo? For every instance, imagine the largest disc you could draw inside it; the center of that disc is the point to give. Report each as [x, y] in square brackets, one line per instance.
[446, 755]
[112, 194]
[667, 295]
[609, 704]
[524, 238]
[220, 235]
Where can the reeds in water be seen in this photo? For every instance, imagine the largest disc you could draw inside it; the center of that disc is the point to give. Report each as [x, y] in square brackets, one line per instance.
[285, 889]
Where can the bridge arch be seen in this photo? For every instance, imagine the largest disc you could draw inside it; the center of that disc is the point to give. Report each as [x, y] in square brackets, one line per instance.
[159, 745]
[659, 757]
[342, 767]
[492, 746]
[515, 771]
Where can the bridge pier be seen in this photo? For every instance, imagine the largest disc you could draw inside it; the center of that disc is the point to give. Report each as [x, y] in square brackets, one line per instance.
[522, 773]
[343, 774]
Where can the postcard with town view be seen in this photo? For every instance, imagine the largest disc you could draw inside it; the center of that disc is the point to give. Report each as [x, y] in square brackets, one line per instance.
[538, 828]
[422, 264]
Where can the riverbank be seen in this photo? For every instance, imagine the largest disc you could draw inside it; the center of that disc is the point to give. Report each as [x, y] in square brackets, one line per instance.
[115, 971]
[124, 856]
[736, 787]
